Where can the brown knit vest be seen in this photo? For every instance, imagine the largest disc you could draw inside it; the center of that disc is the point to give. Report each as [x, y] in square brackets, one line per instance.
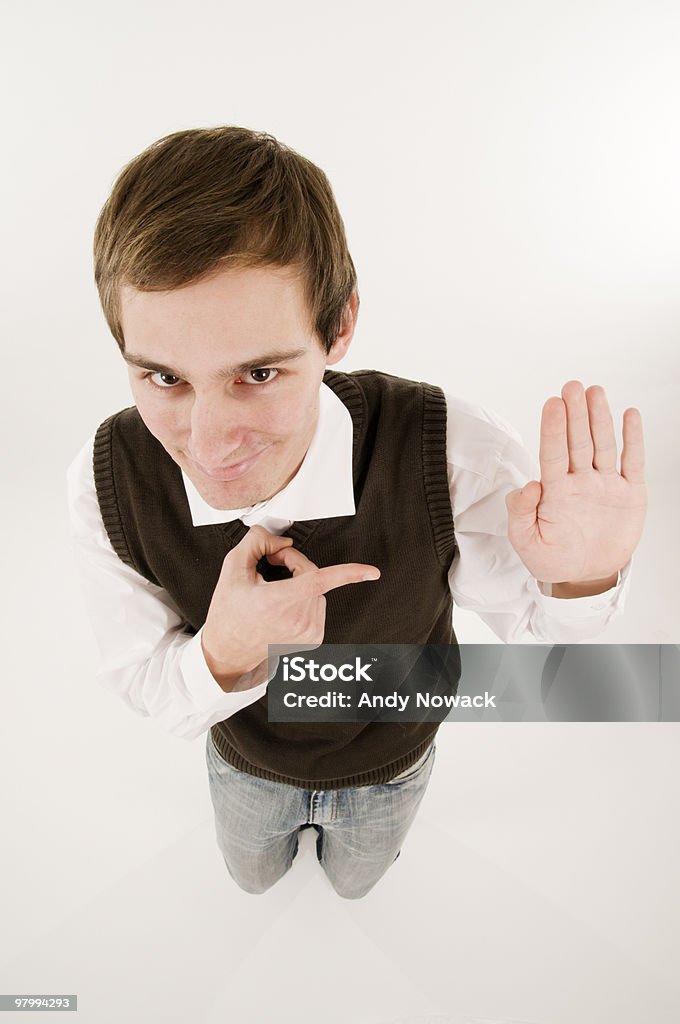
[403, 524]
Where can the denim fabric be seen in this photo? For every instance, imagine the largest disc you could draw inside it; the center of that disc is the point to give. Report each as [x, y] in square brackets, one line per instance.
[361, 828]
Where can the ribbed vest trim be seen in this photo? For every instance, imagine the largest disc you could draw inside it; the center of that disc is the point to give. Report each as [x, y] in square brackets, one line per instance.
[375, 777]
[105, 484]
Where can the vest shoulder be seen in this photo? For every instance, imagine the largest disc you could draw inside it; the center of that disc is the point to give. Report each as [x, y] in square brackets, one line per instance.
[124, 419]
[125, 431]
[379, 389]
[377, 380]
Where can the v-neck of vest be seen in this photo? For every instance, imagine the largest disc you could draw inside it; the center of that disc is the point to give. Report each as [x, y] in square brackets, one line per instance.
[349, 392]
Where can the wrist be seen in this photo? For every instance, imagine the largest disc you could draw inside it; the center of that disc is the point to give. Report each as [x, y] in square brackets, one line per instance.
[584, 588]
[225, 672]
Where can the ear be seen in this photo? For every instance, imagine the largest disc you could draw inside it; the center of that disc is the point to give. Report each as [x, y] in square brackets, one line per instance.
[344, 338]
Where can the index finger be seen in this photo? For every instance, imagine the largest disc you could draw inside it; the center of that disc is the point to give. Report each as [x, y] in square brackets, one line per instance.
[553, 454]
[317, 582]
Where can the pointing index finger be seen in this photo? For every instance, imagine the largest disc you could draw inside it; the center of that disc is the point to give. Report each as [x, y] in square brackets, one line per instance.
[320, 581]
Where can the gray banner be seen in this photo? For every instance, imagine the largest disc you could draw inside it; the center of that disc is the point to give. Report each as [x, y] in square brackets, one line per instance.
[23, 1002]
[475, 683]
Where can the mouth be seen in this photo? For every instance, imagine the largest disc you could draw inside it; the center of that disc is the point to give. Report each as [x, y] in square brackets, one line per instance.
[234, 471]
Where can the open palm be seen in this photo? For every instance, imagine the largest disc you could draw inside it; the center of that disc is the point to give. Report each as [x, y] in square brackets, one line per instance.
[583, 520]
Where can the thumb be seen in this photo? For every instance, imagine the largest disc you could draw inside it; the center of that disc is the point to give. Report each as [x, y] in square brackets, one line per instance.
[256, 543]
[522, 503]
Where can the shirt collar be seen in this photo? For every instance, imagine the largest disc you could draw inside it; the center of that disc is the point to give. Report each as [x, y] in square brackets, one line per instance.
[322, 487]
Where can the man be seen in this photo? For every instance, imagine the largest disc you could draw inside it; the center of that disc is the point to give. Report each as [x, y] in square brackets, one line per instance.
[253, 497]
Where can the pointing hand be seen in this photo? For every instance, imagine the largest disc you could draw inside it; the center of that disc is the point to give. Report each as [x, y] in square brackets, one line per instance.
[246, 614]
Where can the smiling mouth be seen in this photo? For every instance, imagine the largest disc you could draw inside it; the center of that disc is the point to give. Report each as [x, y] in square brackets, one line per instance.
[232, 472]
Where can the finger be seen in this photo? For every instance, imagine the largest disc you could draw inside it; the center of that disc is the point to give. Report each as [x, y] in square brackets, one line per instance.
[256, 543]
[579, 438]
[553, 454]
[320, 581]
[293, 560]
[633, 453]
[602, 430]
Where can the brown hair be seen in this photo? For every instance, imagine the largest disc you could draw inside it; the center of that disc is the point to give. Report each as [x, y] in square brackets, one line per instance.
[199, 198]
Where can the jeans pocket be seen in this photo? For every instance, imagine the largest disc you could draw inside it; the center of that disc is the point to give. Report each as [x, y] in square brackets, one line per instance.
[214, 756]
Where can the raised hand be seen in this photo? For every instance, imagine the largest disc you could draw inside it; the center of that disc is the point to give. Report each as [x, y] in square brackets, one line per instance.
[582, 521]
[246, 614]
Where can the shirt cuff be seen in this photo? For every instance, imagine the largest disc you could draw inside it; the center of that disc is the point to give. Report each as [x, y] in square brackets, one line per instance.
[580, 607]
[204, 690]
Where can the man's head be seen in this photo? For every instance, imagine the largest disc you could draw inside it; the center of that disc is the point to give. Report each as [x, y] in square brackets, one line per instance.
[209, 198]
[218, 252]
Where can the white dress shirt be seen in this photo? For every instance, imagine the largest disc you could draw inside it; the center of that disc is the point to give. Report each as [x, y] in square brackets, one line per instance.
[159, 670]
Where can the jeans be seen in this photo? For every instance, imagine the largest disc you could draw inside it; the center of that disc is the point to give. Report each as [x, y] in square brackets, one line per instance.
[361, 828]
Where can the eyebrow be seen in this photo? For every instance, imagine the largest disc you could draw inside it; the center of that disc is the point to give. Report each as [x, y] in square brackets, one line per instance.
[269, 359]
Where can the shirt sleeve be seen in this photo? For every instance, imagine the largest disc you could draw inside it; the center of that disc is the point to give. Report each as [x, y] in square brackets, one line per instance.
[146, 656]
[486, 459]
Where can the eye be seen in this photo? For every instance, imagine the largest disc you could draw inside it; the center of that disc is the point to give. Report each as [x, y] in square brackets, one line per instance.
[255, 376]
[169, 380]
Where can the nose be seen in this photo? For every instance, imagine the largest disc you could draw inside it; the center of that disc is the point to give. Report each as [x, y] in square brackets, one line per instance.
[217, 435]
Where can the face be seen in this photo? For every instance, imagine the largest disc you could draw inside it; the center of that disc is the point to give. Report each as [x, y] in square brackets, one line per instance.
[225, 373]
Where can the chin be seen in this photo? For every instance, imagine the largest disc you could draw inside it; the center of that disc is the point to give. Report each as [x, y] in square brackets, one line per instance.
[241, 492]
[229, 495]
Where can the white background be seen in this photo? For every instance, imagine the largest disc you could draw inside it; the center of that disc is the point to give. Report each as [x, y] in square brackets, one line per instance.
[508, 175]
